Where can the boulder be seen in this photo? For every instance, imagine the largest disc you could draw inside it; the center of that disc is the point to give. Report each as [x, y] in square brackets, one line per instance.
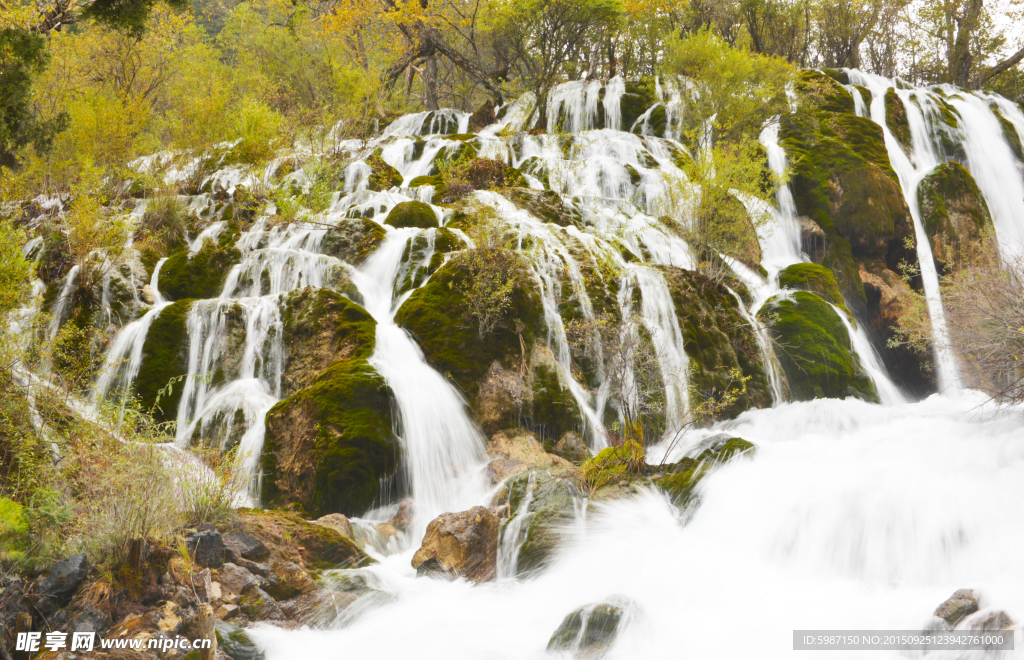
[990, 620]
[817, 355]
[235, 643]
[206, 548]
[955, 216]
[328, 446]
[812, 239]
[91, 619]
[461, 544]
[292, 538]
[958, 606]
[290, 581]
[164, 356]
[519, 445]
[258, 605]
[200, 274]
[412, 214]
[338, 522]
[246, 546]
[61, 581]
[317, 608]
[572, 448]
[680, 479]
[540, 507]
[234, 579]
[590, 630]
[403, 517]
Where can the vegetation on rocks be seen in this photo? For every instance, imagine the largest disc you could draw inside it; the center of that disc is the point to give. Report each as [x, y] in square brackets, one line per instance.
[955, 215]
[814, 349]
[201, 274]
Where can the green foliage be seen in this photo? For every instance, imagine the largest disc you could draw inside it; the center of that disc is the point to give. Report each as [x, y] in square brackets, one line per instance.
[739, 89]
[23, 55]
[13, 531]
[611, 464]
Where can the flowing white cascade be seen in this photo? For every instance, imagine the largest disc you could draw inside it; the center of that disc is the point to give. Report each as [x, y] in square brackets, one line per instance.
[910, 173]
[123, 360]
[659, 317]
[888, 393]
[444, 455]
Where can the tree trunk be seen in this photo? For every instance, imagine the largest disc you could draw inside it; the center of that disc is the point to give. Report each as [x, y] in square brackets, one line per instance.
[430, 83]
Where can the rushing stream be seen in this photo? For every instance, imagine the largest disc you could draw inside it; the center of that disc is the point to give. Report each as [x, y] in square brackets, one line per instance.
[852, 515]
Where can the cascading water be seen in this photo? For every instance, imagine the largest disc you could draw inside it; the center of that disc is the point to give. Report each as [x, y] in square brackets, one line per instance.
[443, 448]
[821, 528]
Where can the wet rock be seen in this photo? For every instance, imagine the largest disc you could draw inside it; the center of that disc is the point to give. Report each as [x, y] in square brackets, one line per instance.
[461, 544]
[206, 548]
[338, 522]
[292, 538]
[291, 581]
[235, 643]
[147, 295]
[245, 546]
[572, 448]
[403, 517]
[412, 214]
[591, 630]
[991, 620]
[63, 579]
[544, 505]
[502, 468]
[523, 447]
[317, 608]
[812, 239]
[258, 605]
[957, 606]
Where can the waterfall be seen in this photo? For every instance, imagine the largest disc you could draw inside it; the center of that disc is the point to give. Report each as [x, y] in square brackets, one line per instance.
[910, 174]
[124, 358]
[443, 448]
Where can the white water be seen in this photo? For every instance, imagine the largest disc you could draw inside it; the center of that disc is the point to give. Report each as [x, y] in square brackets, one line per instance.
[444, 455]
[823, 529]
[911, 171]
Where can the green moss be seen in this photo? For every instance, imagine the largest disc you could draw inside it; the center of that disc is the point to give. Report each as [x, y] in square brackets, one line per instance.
[840, 76]
[550, 509]
[816, 279]
[328, 446]
[164, 356]
[538, 169]
[682, 477]
[545, 205]
[1009, 133]
[439, 123]
[200, 275]
[865, 95]
[639, 96]
[829, 92]
[487, 174]
[815, 350]
[353, 240]
[13, 531]
[843, 180]
[322, 547]
[554, 410]
[896, 118]
[382, 176]
[412, 214]
[954, 212]
[439, 317]
[717, 340]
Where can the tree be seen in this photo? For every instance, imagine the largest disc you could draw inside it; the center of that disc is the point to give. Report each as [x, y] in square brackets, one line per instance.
[549, 36]
[23, 55]
[843, 25]
[965, 39]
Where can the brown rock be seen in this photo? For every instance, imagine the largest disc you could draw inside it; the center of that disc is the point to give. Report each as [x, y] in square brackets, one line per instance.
[403, 518]
[572, 448]
[957, 606]
[291, 581]
[502, 468]
[812, 239]
[500, 398]
[460, 544]
[258, 605]
[291, 538]
[338, 522]
[318, 608]
[523, 446]
[994, 620]
[482, 117]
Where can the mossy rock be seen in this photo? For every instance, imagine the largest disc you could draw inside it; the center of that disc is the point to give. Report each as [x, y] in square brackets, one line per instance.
[321, 326]
[638, 97]
[554, 410]
[896, 118]
[235, 643]
[717, 339]
[412, 214]
[164, 357]
[840, 76]
[545, 205]
[382, 175]
[588, 632]
[1009, 134]
[842, 179]
[816, 279]
[814, 349]
[200, 275]
[439, 316]
[353, 240]
[538, 169]
[681, 478]
[487, 174]
[550, 509]
[955, 214]
[828, 92]
[439, 123]
[328, 446]
[286, 534]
